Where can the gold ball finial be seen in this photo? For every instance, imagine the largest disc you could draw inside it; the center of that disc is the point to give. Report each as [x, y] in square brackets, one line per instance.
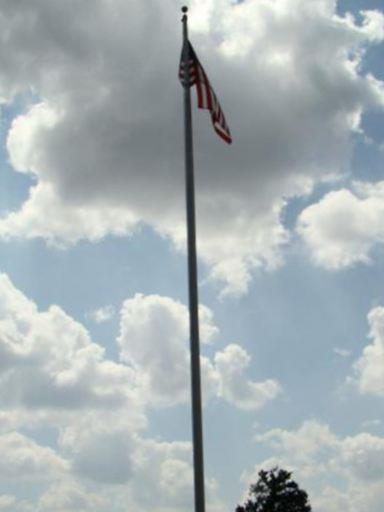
[184, 9]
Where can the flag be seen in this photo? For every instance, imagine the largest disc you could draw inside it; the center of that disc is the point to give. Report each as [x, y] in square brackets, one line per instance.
[206, 97]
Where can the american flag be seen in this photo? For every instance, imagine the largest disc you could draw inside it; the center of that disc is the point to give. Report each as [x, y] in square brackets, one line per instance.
[206, 98]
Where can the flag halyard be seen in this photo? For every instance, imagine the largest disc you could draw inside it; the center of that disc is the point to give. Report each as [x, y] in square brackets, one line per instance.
[206, 97]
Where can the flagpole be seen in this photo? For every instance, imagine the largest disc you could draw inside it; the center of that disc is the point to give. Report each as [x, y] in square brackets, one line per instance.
[197, 417]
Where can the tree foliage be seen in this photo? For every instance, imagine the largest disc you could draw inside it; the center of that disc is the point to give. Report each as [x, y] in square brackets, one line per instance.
[275, 491]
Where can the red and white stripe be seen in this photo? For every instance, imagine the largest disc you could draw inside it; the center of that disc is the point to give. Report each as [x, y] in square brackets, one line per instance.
[206, 97]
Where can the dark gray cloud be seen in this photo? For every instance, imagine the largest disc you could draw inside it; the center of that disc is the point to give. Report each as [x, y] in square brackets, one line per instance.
[106, 143]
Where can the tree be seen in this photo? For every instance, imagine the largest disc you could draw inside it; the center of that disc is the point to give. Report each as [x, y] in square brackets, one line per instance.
[275, 491]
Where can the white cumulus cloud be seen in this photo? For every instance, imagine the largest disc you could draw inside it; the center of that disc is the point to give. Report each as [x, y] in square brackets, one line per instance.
[369, 368]
[154, 335]
[102, 314]
[231, 364]
[23, 458]
[48, 361]
[339, 473]
[67, 496]
[344, 226]
[54, 378]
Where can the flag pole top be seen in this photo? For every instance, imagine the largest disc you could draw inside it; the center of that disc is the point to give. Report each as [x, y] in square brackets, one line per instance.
[184, 9]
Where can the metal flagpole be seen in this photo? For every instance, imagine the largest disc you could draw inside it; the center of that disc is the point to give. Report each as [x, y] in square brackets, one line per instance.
[197, 421]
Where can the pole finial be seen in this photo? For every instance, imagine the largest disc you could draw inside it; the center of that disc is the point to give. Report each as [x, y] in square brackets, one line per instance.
[184, 9]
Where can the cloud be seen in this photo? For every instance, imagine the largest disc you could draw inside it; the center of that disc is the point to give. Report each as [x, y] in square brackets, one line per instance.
[364, 455]
[231, 365]
[156, 467]
[94, 410]
[371, 423]
[125, 466]
[103, 143]
[54, 378]
[344, 226]
[68, 496]
[358, 499]
[339, 473]
[100, 452]
[6, 501]
[153, 339]
[342, 352]
[303, 443]
[22, 458]
[369, 368]
[49, 363]
[314, 444]
[102, 314]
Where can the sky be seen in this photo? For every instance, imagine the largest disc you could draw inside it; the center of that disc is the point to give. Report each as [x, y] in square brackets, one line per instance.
[94, 358]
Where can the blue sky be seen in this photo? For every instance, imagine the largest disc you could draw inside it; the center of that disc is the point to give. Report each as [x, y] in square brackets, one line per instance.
[94, 376]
